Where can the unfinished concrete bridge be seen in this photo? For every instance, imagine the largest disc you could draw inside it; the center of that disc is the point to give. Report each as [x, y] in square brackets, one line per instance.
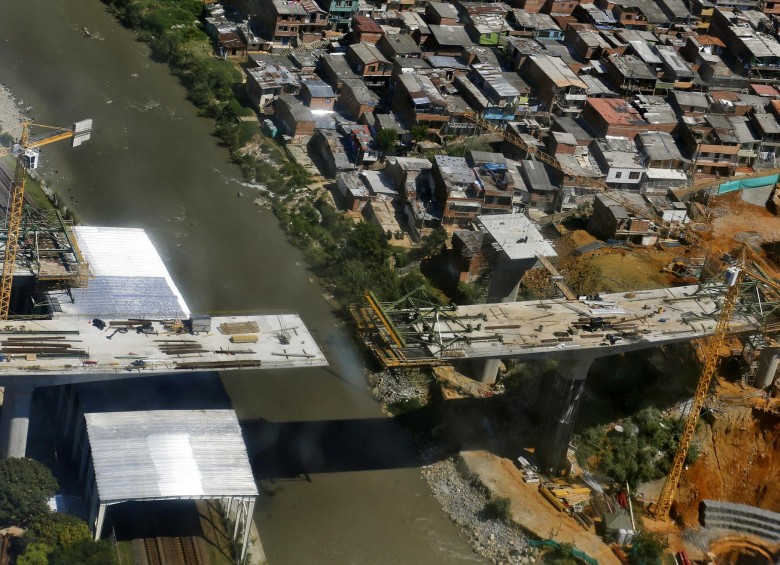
[421, 331]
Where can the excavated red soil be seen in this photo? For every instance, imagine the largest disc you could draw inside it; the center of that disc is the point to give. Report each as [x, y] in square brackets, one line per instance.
[739, 461]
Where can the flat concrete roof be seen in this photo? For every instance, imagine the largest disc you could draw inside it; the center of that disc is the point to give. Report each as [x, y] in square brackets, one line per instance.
[516, 235]
[71, 350]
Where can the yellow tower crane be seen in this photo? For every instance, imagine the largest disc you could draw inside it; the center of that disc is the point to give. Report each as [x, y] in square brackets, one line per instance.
[27, 158]
[750, 265]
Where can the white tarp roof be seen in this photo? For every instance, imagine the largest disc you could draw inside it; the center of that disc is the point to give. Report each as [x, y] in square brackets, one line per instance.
[189, 454]
[128, 276]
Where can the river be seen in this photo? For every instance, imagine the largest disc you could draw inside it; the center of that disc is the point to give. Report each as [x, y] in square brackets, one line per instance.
[349, 490]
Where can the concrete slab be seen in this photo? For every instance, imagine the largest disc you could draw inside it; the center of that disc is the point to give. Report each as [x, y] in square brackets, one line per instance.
[757, 196]
[517, 236]
[553, 328]
[78, 351]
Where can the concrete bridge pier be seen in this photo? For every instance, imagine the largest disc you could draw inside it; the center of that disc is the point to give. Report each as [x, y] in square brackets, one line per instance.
[504, 285]
[15, 421]
[506, 277]
[767, 367]
[486, 370]
[561, 412]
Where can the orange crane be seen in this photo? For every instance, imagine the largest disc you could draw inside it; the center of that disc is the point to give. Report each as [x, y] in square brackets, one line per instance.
[27, 158]
[750, 266]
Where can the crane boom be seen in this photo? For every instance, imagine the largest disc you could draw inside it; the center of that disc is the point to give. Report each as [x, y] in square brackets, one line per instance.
[79, 133]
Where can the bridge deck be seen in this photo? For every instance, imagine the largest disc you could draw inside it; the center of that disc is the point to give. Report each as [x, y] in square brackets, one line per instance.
[556, 328]
[69, 346]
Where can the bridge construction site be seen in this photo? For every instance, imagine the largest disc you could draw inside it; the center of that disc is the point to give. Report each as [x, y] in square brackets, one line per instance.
[733, 305]
[85, 310]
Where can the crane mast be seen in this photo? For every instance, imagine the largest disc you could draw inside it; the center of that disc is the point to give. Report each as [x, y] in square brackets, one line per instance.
[27, 158]
[664, 503]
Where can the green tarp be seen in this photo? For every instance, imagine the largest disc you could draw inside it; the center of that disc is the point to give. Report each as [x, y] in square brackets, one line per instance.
[733, 185]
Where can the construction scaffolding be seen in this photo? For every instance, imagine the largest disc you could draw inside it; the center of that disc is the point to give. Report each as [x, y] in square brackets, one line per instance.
[418, 330]
[48, 249]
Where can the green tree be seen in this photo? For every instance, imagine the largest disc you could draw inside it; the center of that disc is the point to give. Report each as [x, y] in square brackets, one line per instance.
[368, 243]
[387, 140]
[85, 552]
[35, 554]
[467, 293]
[25, 486]
[57, 529]
[566, 550]
[647, 549]
[432, 243]
[419, 133]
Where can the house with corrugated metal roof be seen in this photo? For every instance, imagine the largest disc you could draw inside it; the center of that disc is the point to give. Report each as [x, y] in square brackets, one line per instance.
[368, 63]
[558, 88]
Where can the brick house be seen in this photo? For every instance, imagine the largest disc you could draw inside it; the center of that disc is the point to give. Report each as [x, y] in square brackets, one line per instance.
[614, 117]
[368, 62]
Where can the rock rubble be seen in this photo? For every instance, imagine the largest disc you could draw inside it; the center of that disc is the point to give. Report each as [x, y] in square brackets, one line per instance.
[462, 498]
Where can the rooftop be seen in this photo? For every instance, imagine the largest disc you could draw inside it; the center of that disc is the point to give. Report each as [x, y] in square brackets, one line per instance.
[444, 9]
[516, 236]
[164, 454]
[455, 170]
[631, 67]
[270, 75]
[366, 24]
[318, 88]
[402, 44]
[337, 62]
[536, 176]
[360, 91]
[616, 111]
[367, 53]
[128, 278]
[558, 71]
[659, 146]
[450, 36]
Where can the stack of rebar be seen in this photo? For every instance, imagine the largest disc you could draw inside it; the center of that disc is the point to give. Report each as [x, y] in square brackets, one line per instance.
[179, 347]
[41, 346]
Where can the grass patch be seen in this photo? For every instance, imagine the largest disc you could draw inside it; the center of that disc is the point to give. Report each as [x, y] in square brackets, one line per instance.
[124, 550]
[34, 194]
[499, 508]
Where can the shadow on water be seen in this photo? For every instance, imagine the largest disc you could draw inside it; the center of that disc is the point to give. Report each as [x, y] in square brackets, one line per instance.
[284, 450]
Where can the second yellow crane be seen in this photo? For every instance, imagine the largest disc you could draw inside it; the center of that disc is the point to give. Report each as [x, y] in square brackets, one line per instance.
[27, 158]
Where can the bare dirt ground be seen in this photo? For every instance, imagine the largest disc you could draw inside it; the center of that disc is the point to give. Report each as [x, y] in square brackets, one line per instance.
[635, 269]
[735, 219]
[739, 457]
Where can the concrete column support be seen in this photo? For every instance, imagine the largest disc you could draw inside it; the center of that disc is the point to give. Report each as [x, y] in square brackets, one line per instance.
[486, 370]
[561, 412]
[15, 421]
[506, 278]
[767, 367]
[101, 517]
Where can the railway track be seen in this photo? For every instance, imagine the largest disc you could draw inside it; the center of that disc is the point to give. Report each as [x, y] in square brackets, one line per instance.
[152, 551]
[172, 551]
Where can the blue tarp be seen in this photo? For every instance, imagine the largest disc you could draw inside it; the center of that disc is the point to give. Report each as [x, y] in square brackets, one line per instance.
[733, 185]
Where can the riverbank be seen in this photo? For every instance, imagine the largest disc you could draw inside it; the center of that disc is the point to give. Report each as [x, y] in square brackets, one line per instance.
[11, 115]
[462, 495]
